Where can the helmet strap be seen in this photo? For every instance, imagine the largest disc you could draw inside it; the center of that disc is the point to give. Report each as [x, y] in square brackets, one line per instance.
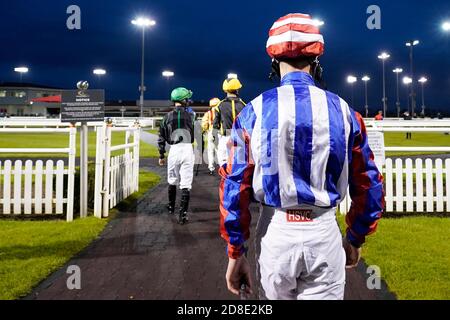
[317, 73]
[275, 73]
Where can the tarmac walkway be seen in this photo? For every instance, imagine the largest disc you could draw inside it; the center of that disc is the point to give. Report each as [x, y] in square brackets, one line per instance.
[144, 254]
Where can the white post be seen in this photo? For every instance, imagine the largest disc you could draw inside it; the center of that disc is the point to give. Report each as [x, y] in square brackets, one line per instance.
[429, 185]
[71, 173]
[107, 171]
[389, 186]
[84, 170]
[136, 140]
[127, 160]
[99, 158]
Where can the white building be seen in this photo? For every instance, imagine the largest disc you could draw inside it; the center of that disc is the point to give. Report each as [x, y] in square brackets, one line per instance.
[16, 100]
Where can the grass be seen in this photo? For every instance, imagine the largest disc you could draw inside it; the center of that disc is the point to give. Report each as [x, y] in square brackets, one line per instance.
[413, 254]
[31, 250]
[44, 140]
[34, 140]
[422, 139]
[154, 131]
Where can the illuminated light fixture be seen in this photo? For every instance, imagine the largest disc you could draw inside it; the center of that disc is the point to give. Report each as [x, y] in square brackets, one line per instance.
[21, 69]
[412, 43]
[318, 22]
[99, 72]
[168, 74]
[407, 80]
[384, 56]
[351, 79]
[446, 26]
[143, 22]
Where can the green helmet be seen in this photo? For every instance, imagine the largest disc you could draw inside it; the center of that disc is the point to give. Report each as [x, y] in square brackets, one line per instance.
[180, 94]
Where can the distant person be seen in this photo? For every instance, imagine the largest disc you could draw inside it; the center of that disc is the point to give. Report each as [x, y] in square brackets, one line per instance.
[379, 116]
[439, 116]
[191, 111]
[226, 112]
[208, 129]
[177, 129]
[407, 116]
[295, 150]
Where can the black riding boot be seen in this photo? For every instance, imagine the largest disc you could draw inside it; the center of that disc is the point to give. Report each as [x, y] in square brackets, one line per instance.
[184, 206]
[172, 198]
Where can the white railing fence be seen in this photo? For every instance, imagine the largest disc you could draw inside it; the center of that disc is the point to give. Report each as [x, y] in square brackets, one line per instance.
[32, 188]
[32, 122]
[116, 177]
[421, 186]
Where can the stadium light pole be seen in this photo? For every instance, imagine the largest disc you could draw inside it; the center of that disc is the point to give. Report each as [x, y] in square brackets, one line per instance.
[168, 75]
[143, 23]
[397, 72]
[366, 79]
[407, 81]
[351, 80]
[422, 81]
[99, 73]
[411, 44]
[383, 57]
[21, 71]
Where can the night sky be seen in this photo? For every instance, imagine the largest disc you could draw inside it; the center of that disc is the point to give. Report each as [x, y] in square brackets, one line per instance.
[202, 41]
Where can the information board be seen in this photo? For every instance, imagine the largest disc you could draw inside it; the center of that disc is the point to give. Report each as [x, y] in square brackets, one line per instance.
[376, 143]
[82, 105]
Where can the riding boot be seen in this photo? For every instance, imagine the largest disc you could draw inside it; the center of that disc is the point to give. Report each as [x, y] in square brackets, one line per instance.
[172, 198]
[184, 206]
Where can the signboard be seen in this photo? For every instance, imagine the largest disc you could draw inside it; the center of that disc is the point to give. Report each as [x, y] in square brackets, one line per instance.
[82, 105]
[376, 143]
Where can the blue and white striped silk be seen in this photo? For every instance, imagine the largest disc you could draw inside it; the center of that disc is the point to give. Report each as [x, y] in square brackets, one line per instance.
[293, 145]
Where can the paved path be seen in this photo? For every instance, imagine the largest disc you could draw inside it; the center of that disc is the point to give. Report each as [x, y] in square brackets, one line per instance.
[144, 254]
[149, 138]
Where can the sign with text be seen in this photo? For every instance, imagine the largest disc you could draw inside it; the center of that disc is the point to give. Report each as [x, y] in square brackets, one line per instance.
[82, 105]
[376, 143]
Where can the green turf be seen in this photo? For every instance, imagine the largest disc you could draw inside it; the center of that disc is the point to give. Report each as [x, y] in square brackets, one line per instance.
[413, 254]
[422, 139]
[154, 131]
[34, 140]
[31, 250]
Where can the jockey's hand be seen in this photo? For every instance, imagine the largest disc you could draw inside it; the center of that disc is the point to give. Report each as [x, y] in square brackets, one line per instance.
[352, 254]
[238, 274]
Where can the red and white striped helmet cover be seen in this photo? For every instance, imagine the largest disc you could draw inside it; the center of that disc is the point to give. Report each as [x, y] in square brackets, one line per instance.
[295, 35]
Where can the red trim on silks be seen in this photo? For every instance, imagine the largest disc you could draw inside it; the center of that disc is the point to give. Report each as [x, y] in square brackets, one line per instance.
[305, 28]
[224, 171]
[246, 189]
[244, 196]
[234, 252]
[295, 15]
[295, 49]
[359, 178]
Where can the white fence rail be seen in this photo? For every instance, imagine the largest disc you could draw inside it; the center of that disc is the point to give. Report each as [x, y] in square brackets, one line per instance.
[425, 123]
[116, 177]
[413, 186]
[31, 122]
[32, 188]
